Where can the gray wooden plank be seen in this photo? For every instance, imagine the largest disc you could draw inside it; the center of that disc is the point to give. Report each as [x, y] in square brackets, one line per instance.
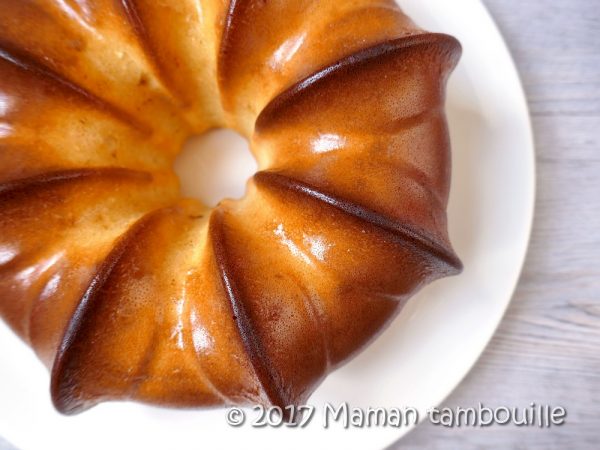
[5, 445]
[547, 348]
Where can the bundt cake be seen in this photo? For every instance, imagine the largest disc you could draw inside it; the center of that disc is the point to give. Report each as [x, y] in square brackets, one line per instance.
[127, 291]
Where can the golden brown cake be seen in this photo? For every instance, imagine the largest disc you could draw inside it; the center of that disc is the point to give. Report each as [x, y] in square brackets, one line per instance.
[127, 291]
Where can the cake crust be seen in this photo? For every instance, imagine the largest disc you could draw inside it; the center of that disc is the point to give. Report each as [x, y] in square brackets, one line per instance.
[125, 290]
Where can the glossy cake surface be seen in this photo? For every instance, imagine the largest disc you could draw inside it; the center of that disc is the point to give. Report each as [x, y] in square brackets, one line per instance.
[124, 289]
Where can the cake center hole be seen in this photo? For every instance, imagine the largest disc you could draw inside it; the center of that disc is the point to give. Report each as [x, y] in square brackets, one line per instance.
[214, 166]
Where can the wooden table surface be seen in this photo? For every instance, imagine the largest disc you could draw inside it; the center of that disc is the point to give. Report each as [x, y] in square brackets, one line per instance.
[547, 348]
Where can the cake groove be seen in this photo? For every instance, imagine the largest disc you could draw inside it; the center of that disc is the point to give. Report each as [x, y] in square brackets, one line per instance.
[64, 176]
[223, 47]
[351, 62]
[403, 231]
[229, 17]
[264, 369]
[26, 63]
[63, 382]
[139, 28]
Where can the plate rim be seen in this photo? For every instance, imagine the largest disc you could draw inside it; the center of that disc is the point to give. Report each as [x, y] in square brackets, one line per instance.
[530, 219]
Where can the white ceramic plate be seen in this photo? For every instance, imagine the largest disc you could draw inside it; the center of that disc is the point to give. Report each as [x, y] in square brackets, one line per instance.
[421, 358]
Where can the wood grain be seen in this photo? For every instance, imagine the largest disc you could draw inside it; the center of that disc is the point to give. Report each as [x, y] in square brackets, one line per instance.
[547, 349]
